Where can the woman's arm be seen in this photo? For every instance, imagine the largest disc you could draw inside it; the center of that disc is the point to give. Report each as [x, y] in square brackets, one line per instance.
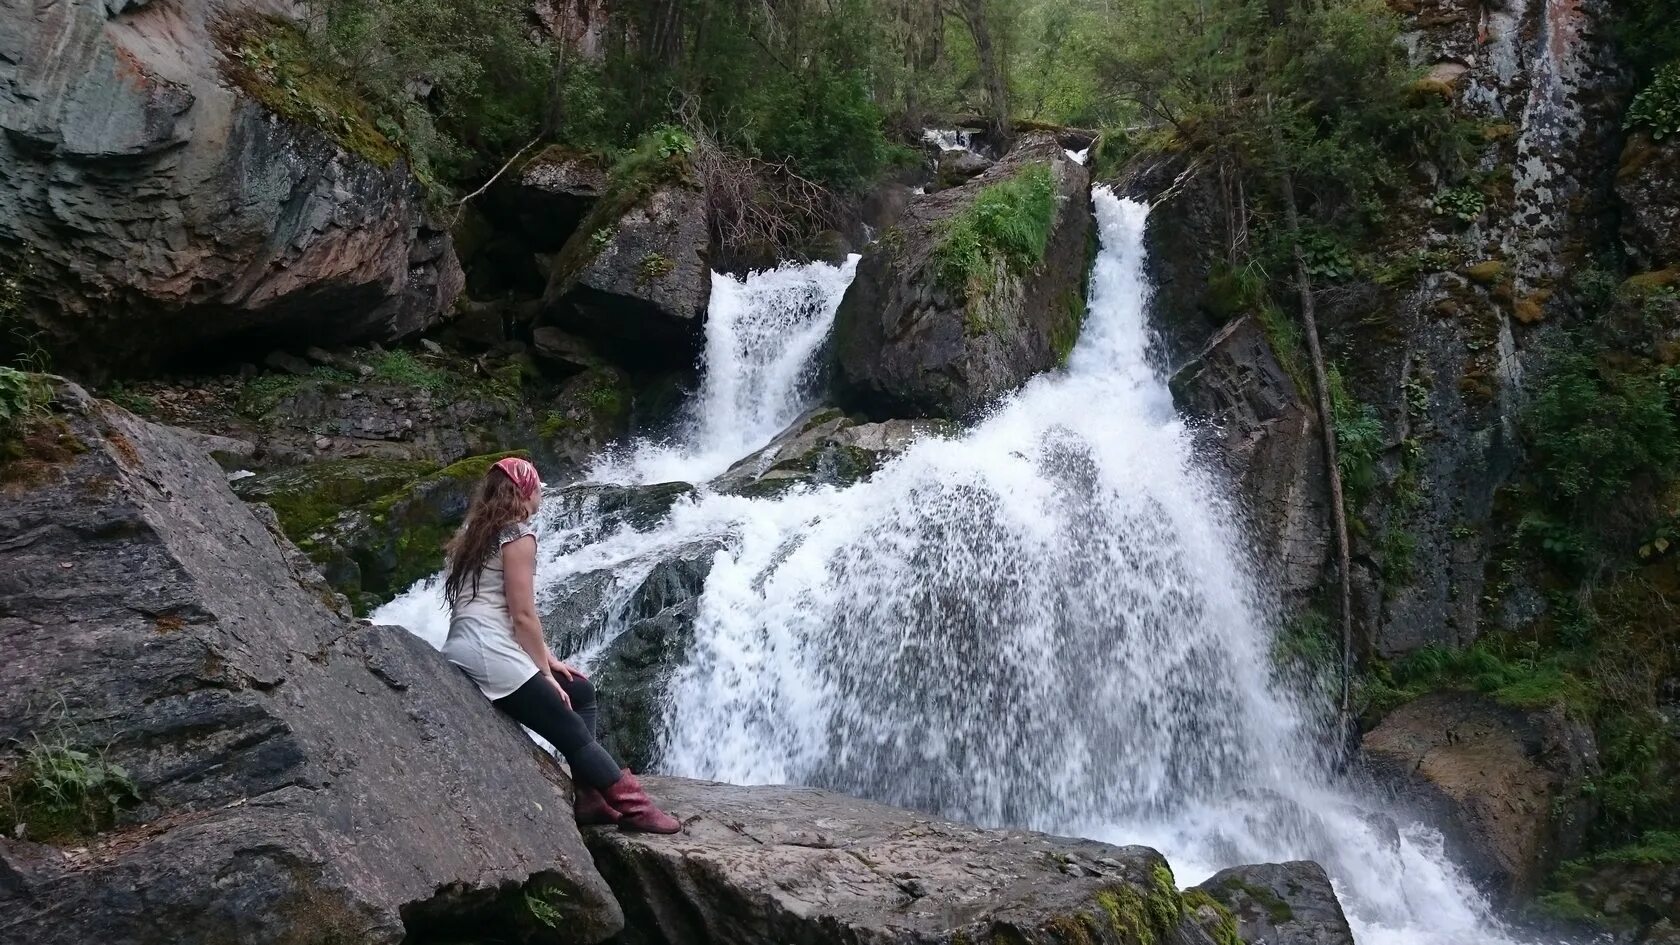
[519, 572]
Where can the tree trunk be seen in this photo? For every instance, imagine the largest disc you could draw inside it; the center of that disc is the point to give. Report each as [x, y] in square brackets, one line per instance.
[1327, 425]
[991, 70]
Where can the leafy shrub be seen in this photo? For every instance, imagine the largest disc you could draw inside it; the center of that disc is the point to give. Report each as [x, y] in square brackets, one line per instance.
[1326, 257]
[1008, 224]
[19, 399]
[1464, 202]
[1594, 429]
[1656, 108]
[1359, 441]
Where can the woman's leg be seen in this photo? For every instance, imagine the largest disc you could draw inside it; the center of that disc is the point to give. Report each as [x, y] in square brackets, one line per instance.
[538, 706]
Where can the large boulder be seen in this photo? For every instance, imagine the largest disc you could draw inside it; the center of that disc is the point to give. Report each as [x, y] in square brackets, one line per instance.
[823, 447]
[1648, 183]
[292, 776]
[771, 865]
[1281, 903]
[909, 341]
[552, 194]
[635, 278]
[1268, 438]
[1507, 785]
[160, 212]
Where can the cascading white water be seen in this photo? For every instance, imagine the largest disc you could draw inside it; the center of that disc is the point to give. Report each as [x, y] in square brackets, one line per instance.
[1046, 622]
[762, 336]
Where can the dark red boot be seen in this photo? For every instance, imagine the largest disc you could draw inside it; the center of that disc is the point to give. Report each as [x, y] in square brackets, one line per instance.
[636, 810]
[592, 807]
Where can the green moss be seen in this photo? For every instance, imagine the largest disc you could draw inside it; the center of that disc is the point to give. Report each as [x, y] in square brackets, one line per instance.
[1065, 333]
[270, 60]
[659, 159]
[307, 498]
[403, 367]
[1486, 272]
[1277, 911]
[264, 392]
[1224, 928]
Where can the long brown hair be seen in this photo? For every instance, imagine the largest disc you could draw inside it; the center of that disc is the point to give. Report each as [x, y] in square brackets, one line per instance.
[496, 504]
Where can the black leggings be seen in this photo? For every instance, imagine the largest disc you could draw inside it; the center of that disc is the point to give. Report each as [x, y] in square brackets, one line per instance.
[539, 708]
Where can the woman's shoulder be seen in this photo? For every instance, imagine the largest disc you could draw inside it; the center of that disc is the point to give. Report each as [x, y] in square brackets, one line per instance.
[516, 531]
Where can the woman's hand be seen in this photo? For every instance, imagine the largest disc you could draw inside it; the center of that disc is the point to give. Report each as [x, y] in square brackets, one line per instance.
[560, 689]
[564, 670]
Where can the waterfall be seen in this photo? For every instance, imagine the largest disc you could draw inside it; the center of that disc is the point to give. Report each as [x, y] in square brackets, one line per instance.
[1046, 622]
[763, 332]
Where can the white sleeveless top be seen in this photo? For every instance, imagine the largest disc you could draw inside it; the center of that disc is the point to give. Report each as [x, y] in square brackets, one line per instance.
[481, 631]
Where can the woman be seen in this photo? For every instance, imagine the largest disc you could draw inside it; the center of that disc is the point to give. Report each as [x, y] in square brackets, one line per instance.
[495, 637]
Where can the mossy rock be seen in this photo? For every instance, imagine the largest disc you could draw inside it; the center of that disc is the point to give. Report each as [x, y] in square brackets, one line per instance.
[306, 498]
[1487, 272]
[374, 526]
[1651, 281]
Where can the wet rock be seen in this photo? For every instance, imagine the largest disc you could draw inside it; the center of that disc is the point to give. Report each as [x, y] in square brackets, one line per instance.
[907, 343]
[596, 606]
[600, 509]
[1268, 437]
[638, 285]
[1505, 784]
[1281, 903]
[769, 865]
[1648, 185]
[166, 214]
[634, 674]
[298, 777]
[823, 447]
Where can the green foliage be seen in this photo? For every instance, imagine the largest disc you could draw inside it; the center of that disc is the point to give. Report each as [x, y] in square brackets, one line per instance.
[1359, 441]
[59, 792]
[1464, 202]
[403, 367]
[1595, 428]
[1007, 226]
[1648, 34]
[1327, 258]
[1517, 676]
[21, 397]
[1656, 109]
[543, 909]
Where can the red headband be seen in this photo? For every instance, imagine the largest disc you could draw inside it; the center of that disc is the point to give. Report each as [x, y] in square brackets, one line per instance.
[523, 474]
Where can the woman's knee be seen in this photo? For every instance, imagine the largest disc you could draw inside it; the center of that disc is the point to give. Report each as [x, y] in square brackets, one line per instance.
[580, 690]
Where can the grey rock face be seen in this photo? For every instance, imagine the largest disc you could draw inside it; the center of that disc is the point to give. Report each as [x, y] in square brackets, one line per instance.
[163, 213]
[1281, 904]
[301, 778]
[1269, 439]
[639, 287]
[907, 346]
[772, 865]
[553, 193]
[1648, 185]
[1504, 783]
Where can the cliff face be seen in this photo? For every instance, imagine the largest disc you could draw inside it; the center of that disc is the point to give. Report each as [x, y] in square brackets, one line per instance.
[1438, 334]
[157, 212]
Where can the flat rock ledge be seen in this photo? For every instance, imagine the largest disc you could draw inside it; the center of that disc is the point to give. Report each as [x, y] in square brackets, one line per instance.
[787, 865]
